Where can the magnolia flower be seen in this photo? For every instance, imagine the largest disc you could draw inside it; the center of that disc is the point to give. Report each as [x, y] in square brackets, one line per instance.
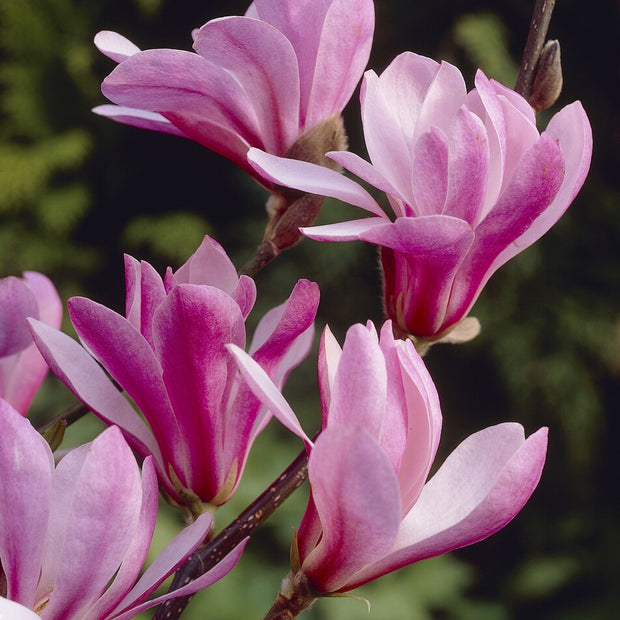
[371, 509]
[169, 355]
[22, 369]
[74, 537]
[469, 179]
[261, 80]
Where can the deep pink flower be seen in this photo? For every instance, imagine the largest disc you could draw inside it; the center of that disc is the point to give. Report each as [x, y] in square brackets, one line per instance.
[371, 509]
[260, 80]
[169, 355]
[74, 537]
[22, 369]
[469, 179]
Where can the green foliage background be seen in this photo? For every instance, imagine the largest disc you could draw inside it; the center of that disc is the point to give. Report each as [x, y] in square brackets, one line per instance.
[77, 190]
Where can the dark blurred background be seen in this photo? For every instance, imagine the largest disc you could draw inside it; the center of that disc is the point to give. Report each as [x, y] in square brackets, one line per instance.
[77, 190]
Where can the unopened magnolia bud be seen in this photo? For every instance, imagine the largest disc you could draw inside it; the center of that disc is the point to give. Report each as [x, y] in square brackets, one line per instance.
[547, 77]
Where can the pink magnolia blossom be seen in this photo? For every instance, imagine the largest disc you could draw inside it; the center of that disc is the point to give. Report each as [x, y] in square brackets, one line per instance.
[74, 537]
[169, 355]
[469, 179]
[22, 369]
[371, 509]
[260, 80]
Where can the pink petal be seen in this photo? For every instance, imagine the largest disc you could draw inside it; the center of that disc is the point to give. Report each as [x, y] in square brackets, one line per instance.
[220, 570]
[173, 555]
[534, 185]
[97, 497]
[114, 45]
[343, 231]
[423, 423]
[194, 94]
[571, 129]
[262, 61]
[335, 68]
[17, 302]
[15, 611]
[428, 253]
[445, 95]
[136, 554]
[130, 360]
[360, 387]
[265, 390]
[26, 466]
[430, 173]
[468, 166]
[191, 328]
[329, 358]
[144, 292]
[358, 503]
[362, 169]
[139, 118]
[480, 488]
[313, 179]
[390, 107]
[85, 378]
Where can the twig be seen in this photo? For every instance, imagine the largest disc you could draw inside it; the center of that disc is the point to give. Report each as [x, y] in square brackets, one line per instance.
[535, 41]
[212, 552]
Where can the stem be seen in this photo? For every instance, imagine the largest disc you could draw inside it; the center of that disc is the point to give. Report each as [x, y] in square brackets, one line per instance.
[207, 556]
[535, 41]
[68, 416]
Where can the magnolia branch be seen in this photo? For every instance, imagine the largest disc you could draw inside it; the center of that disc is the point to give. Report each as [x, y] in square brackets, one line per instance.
[534, 45]
[206, 557]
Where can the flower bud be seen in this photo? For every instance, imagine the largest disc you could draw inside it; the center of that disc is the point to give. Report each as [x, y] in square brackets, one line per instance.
[547, 77]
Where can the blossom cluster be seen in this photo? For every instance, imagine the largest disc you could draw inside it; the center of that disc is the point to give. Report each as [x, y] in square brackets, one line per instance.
[469, 182]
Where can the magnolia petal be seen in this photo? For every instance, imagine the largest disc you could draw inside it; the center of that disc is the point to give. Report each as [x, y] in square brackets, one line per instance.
[173, 555]
[480, 488]
[313, 179]
[188, 90]
[191, 328]
[423, 424]
[267, 392]
[262, 61]
[85, 378]
[17, 302]
[284, 336]
[534, 184]
[129, 358]
[329, 359]
[220, 570]
[98, 495]
[15, 611]
[335, 68]
[133, 560]
[571, 129]
[343, 231]
[360, 388]
[430, 173]
[358, 502]
[420, 273]
[209, 264]
[468, 166]
[26, 461]
[364, 170]
[142, 119]
[390, 105]
[114, 45]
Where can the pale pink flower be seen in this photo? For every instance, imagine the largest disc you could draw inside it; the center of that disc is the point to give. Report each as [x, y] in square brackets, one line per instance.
[371, 509]
[469, 179]
[260, 80]
[22, 369]
[74, 537]
[169, 355]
